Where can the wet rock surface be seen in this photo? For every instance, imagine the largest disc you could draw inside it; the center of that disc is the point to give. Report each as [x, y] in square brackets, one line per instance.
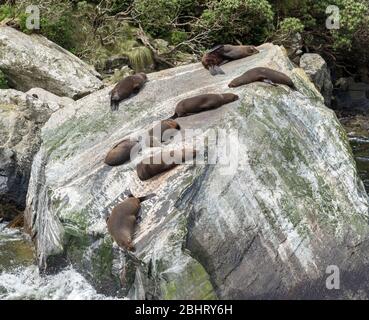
[21, 119]
[34, 61]
[267, 227]
[316, 68]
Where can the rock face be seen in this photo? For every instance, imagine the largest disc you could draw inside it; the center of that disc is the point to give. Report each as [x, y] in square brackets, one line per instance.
[33, 61]
[315, 66]
[21, 119]
[268, 225]
[53, 101]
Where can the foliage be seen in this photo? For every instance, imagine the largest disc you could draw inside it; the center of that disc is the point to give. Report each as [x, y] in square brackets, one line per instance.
[291, 25]
[97, 29]
[243, 20]
[3, 81]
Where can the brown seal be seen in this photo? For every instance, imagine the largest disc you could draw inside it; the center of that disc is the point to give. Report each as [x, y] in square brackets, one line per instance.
[123, 219]
[163, 161]
[262, 74]
[121, 152]
[163, 131]
[222, 54]
[202, 102]
[125, 88]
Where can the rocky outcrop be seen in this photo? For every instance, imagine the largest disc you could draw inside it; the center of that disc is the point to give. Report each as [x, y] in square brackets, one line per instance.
[33, 61]
[21, 119]
[317, 69]
[265, 225]
[52, 100]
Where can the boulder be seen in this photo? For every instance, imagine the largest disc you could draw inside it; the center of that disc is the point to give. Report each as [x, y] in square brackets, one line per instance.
[267, 225]
[316, 67]
[30, 61]
[21, 119]
[115, 63]
[52, 100]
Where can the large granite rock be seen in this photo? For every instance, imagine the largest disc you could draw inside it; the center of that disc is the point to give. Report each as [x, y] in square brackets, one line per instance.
[316, 67]
[34, 61]
[21, 119]
[292, 205]
[52, 100]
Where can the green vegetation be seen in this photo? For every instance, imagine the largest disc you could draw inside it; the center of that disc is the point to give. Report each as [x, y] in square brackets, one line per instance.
[3, 81]
[96, 30]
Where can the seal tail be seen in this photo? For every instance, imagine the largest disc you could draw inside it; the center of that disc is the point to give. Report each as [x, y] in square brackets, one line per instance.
[214, 70]
[149, 196]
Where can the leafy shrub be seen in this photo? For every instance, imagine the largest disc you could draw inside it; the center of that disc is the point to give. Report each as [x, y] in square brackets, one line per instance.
[244, 20]
[291, 26]
[178, 36]
[3, 81]
[60, 31]
[6, 11]
[156, 16]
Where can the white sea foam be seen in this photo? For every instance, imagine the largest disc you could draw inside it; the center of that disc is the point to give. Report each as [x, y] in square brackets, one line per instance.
[26, 283]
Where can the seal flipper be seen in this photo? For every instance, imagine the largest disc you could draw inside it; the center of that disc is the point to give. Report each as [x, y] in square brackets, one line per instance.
[268, 81]
[219, 46]
[114, 105]
[214, 70]
[149, 196]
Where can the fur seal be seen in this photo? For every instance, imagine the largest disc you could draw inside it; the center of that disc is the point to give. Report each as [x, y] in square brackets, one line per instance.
[222, 54]
[202, 102]
[125, 88]
[123, 219]
[164, 129]
[163, 161]
[121, 152]
[262, 74]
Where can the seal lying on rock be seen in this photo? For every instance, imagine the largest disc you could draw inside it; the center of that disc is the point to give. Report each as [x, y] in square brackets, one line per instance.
[121, 152]
[163, 131]
[224, 53]
[262, 74]
[125, 88]
[163, 161]
[123, 219]
[202, 102]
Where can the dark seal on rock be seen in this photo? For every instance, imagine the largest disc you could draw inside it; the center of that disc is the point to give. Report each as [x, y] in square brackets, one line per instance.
[162, 162]
[125, 88]
[123, 219]
[222, 54]
[121, 152]
[163, 131]
[262, 74]
[202, 102]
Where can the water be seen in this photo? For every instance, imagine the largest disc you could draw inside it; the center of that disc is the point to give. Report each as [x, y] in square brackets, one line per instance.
[360, 149]
[20, 278]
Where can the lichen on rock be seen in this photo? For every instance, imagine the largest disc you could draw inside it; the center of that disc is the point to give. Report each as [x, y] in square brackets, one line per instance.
[268, 229]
